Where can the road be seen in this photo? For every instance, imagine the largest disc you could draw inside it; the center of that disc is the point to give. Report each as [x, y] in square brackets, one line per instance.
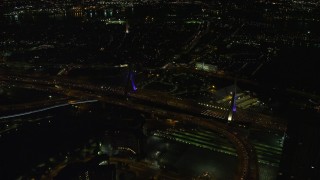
[153, 97]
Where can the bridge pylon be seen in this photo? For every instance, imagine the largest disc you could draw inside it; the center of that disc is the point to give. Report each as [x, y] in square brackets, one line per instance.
[233, 107]
[130, 83]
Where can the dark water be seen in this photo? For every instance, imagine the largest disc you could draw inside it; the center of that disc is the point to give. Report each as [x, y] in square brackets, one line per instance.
[35, 142]
[293, 68]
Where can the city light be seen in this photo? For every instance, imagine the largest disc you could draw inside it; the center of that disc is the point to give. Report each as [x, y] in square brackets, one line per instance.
[151, 89]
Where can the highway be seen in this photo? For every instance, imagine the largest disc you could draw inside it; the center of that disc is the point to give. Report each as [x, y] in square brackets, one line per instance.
[216, 112]
[150, 102]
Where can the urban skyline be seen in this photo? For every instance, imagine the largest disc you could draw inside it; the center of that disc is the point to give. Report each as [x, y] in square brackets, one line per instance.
[149, 89]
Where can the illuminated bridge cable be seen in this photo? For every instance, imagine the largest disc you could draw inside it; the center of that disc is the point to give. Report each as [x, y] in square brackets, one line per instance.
[46, 109]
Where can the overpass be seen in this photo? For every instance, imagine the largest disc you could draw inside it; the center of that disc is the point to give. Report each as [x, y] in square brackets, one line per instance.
[242, 116]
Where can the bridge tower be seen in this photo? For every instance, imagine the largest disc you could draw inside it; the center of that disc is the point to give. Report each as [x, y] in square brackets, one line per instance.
[233, 107]
[127, 27]
[130, 84]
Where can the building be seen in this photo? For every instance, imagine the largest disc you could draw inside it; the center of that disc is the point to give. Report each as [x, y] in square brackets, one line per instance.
[206, 67]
